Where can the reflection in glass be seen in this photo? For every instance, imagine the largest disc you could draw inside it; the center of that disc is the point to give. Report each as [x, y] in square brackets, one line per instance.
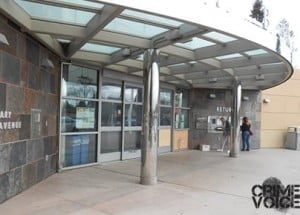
[79, 82]
[79, 149]
[181, 118]
[133, 94]
[133, 115]
[165, 98]
[111, 91]
[111, 114]
[132, 140]
[165, 116]
[182, 98]
[111, 141]
[79, 115]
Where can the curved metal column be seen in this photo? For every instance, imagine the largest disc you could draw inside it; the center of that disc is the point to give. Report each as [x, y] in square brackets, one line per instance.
[149, 145]
[235, 119]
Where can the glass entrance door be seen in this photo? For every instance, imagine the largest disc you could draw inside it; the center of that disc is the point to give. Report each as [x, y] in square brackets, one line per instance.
[121, 121]
[133, 107]
[111, 121]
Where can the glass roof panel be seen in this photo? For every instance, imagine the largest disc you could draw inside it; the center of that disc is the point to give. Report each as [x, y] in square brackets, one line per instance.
[55, 13]
[85, 3]
[178, 64]
[152, 18]
[256, 52]
[195, 43]
[140, 57]
[219, 37]
[100, 48]
[63, 40]
[134, 28]
[229, 56]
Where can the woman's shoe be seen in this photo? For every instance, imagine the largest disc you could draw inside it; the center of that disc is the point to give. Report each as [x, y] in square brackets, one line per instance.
[243, 149]
[247, 149]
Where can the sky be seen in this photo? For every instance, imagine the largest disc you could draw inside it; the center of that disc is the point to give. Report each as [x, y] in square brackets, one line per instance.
[288, 9]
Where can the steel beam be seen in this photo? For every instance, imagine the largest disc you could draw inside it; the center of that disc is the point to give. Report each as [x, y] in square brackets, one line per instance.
[96, 24]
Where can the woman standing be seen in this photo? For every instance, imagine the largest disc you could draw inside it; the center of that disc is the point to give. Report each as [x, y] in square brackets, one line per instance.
[246, 132]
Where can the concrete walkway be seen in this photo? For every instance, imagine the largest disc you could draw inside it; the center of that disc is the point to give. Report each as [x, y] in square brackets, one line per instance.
[191, 182]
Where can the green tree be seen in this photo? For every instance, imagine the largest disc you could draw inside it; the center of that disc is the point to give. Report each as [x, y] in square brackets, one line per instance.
[258, 11]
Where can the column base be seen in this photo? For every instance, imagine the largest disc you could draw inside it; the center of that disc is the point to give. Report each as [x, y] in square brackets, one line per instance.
[148, 180]
[233, 155]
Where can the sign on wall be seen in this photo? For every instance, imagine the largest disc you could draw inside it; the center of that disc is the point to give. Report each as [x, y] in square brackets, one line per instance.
[85, 117]
[6, 123]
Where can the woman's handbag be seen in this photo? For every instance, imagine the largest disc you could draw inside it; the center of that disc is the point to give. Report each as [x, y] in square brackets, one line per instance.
[251, 133]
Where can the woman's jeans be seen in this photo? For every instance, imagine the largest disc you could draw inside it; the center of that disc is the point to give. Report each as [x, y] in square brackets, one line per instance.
[245, 139]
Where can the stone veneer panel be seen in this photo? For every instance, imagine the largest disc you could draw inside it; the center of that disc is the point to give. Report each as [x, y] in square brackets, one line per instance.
[202, 106]
[27, 85]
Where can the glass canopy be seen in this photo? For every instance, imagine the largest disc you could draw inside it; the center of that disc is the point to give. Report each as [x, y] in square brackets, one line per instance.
[187, 49]
[59, 14]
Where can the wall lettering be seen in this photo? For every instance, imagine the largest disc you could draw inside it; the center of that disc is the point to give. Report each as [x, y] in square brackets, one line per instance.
[6, 123]
[223, 109]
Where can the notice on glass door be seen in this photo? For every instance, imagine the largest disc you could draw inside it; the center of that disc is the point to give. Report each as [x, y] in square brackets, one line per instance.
[85, 118]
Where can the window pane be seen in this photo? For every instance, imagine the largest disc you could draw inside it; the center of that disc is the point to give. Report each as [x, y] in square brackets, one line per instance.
[111, 141]
[79, 149]
[85, 3]
[79, 82]
[111, 114]
[133, 94]
[111, 91]
[195, 43]
[132, 140]
[219, 37]
[181, 118]
[165, 98]
[93, 47]
[165, 116]
[55, 13]
[152, 18]
[229, 56]
[182, 98]
[133, 115]
[256, 52]
[79, 115]
[134, 28]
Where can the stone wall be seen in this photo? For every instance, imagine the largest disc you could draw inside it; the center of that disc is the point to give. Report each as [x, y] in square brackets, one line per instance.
[202, 106]
[28, 94]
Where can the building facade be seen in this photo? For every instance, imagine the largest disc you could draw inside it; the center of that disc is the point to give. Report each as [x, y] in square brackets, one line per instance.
[279, 111]
[73, 83]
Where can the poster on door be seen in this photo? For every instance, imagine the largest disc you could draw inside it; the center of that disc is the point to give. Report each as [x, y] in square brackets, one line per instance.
[85, 118]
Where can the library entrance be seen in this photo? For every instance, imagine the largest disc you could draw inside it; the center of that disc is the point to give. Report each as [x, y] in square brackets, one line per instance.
[101, 116]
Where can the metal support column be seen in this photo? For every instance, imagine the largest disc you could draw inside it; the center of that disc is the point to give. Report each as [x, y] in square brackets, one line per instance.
[149, 145]
[235, 119]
